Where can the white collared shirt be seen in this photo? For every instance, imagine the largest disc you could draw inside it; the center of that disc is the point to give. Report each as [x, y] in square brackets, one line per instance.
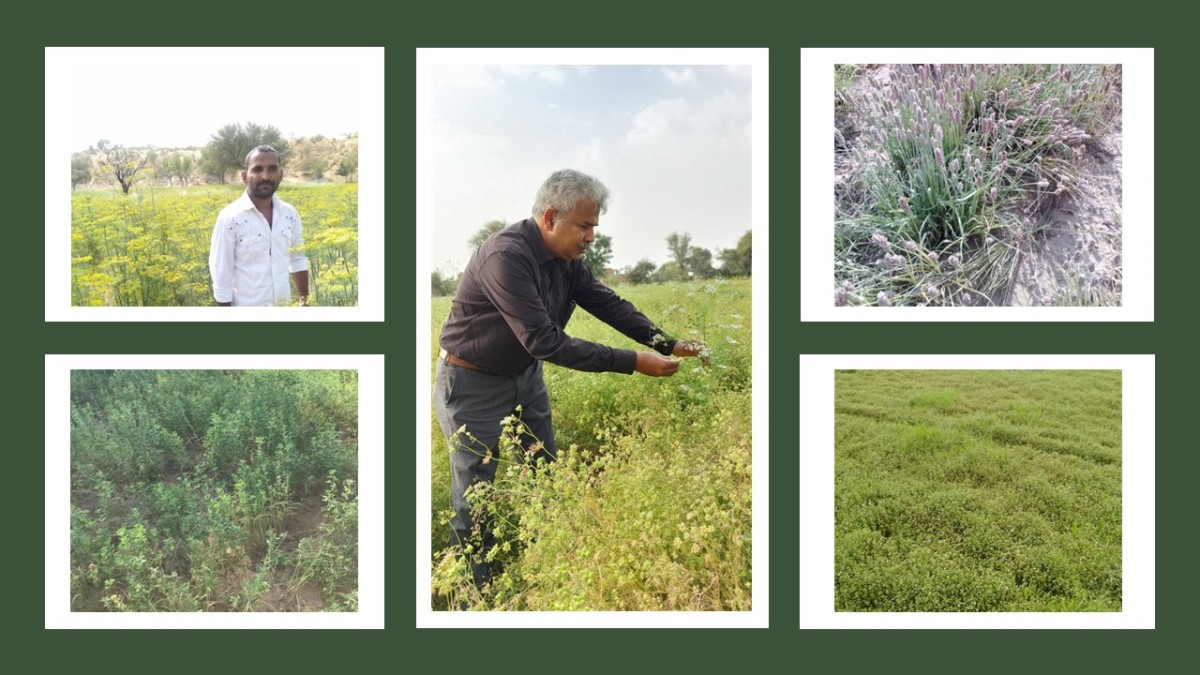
[249, 259]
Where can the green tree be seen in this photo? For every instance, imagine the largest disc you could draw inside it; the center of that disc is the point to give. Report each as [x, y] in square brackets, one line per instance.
[598, 255]
[123, 163]
[178, 165]
[736, 262]
[347, 168]
[316, 168]
[699, 263]
[680, 246]
[642, 272]
[670, 271]
[442, 284]
[227, 148]
[482, 234]
[81, 169]
[211, 164]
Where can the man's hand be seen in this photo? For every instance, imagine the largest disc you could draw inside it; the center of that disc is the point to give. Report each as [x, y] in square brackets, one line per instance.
[655, 365]
[692, 348]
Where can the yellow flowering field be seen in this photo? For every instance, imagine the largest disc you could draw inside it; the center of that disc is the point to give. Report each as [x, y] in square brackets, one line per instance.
[150, 247]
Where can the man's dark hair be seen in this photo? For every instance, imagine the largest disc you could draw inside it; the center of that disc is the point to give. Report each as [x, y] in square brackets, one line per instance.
[262, 148]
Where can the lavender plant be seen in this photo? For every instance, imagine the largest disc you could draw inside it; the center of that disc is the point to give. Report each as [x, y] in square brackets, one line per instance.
[950, 169]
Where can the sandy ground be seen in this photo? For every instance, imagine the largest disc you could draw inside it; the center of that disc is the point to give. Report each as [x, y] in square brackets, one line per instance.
[1079, 256]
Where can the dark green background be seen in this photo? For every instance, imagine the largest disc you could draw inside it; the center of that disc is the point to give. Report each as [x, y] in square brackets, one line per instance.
[782, 28]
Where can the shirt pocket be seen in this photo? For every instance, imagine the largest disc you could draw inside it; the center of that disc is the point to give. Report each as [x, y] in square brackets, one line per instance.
[252, 247]
[285, 234]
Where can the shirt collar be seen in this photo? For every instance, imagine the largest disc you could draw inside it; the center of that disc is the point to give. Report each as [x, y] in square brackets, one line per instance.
[533, 235]
[244, 203]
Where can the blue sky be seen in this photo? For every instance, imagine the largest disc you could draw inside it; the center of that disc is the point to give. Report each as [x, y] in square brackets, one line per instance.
[671, 142]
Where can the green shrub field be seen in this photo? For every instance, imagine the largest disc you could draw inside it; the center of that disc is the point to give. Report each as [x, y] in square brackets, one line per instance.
[214, 490]
[978, 490]
[648, 506]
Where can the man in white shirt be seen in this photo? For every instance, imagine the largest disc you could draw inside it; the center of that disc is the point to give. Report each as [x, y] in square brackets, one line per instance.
[255, 244]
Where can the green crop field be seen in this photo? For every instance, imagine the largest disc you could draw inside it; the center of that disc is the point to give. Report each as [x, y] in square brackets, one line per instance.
[150, 247]
[649, 504]
[978, 490]
[212, 490]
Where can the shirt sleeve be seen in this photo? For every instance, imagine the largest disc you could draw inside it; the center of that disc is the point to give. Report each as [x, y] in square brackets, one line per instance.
[509, 282]
[603, 303]
[297, 261]
[220, 259]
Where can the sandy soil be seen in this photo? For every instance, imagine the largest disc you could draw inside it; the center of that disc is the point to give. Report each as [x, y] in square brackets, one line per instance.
[1079, 256]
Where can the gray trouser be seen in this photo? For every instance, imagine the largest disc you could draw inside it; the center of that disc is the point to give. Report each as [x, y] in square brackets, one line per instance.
[479, 401]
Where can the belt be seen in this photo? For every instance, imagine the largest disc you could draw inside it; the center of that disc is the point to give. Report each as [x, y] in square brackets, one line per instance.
[461, 363]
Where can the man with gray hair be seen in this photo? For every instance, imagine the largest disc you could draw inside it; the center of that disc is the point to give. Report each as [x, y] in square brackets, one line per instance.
[256, 242]
[509, 315]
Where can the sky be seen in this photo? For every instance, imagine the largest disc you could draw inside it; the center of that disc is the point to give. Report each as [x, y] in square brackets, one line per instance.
[672, 143]
[179, 97]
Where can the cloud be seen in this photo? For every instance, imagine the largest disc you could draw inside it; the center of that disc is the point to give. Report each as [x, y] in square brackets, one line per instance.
[742, 72]
[551, 74]
[465, 77]
[682, 77]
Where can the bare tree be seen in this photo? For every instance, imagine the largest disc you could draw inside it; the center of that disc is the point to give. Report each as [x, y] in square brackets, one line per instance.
[124, 163]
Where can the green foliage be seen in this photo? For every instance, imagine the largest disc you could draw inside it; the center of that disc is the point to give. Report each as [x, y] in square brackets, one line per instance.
[649, 504]
[151, 248]
[195, 490]
[737, 261]
[443, 284]
[598, 255]
[699, 263]
[227, 148]
[978, 491]
[642, 272]
[348, 168]
[316, 168]
[487, 230]
[680, 246]
[178, 165]
[81, 169]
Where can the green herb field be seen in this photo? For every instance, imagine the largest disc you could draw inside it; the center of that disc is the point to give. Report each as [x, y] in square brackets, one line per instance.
[214, 490]
[648, 506]
[978, 490]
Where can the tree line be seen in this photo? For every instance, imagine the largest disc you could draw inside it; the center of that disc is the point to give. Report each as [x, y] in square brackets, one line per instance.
[687, 262]
[217, 161]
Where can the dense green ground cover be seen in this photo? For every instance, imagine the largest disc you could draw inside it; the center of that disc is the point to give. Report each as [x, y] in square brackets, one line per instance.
[210, 490]
[648, 507]
[970, 490]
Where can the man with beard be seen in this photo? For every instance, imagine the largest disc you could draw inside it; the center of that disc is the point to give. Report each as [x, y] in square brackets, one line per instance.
[256, 242]
[509, 314]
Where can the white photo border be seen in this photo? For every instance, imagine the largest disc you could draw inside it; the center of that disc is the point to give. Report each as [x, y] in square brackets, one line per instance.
[370, 614]
[365, 64]
[817, 493]
[816, 183]
[757, 59]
